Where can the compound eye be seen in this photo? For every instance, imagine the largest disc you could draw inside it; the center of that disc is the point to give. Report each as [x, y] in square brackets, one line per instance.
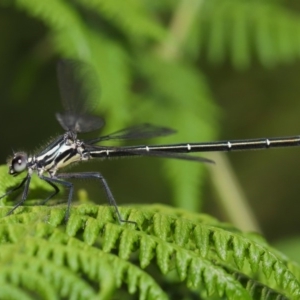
[19, 163]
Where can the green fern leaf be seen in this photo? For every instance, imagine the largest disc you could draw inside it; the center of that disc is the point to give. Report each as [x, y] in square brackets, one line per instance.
[70, 31]
[256, 289]
[132, 18]
[147, 251]
[9, 291]
[37, 239]
[237, 27]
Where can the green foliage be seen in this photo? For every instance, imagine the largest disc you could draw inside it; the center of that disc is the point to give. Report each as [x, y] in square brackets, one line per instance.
[240, 28]
[168, 252]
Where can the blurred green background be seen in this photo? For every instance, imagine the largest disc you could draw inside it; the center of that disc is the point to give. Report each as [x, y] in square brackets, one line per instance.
[218, 69]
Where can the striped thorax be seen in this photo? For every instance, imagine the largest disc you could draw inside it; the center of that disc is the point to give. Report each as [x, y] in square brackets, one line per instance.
[64, 150]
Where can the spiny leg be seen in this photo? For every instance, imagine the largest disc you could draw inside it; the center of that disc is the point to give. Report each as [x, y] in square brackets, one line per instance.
[96, 175]
[15, 188]
[24, 195]
[67, 184]
[56, 191]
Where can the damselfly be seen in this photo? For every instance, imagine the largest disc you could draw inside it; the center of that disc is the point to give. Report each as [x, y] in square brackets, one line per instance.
[67, 148]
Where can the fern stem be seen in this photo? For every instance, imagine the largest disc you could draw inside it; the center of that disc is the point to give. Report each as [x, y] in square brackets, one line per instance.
[179, 28]
[230, 195]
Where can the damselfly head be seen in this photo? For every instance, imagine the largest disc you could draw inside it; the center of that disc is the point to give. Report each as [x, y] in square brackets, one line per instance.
[18, 163]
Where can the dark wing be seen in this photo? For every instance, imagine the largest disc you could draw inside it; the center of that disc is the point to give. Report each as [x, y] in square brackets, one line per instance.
[110, 152]
[173, 155]
[142, 131]
[78, 85]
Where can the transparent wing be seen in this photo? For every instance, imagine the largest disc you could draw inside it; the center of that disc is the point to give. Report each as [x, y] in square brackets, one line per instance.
[142, 131]
[79, 90]
[101, 151]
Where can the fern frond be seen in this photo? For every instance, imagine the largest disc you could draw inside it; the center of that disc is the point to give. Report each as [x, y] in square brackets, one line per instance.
[30, 272]
[236, 28]
[64, 21]
[111, 62]
[202, 252]
[132, 18]
[9, 291]
[256, 289]
[60, 263]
